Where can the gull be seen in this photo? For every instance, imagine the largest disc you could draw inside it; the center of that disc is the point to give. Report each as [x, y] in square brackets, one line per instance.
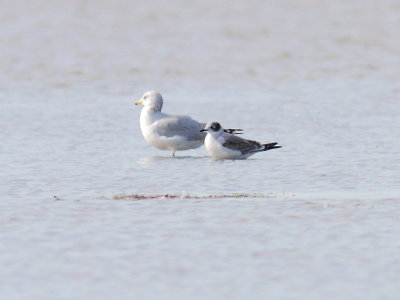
[169, 132]
[221, 145]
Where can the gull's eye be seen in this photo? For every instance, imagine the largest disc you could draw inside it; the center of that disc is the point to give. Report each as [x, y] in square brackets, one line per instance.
[215, 126]
[145, 97]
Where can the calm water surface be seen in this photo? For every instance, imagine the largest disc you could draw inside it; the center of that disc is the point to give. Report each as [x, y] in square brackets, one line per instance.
[322, 79]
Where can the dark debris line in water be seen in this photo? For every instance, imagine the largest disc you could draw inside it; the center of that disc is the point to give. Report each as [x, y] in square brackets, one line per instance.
[186, 196]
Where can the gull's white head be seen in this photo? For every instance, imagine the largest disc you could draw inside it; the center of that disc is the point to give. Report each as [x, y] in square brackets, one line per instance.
[213, 127]
[152, 100]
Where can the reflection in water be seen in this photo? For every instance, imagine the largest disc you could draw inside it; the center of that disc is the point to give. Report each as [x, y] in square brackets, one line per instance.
[150, 160]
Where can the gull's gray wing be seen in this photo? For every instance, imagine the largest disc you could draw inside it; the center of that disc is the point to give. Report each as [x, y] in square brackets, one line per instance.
[180, 126]
[237, 143]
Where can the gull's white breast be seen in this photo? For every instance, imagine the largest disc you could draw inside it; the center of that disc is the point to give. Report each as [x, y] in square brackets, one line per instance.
[148, 126]
[215, 148]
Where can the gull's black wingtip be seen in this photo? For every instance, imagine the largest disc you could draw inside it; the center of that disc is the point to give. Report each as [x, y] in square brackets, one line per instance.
[271, 146]
[233, 130]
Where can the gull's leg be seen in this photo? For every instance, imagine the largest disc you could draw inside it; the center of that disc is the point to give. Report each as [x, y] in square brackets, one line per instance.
[173, 153]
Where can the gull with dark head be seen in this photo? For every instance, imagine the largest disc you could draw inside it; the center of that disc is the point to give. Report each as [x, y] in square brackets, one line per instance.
[169, 132]
[221, 145]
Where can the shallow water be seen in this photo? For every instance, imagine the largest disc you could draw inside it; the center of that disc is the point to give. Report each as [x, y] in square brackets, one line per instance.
[322, 79]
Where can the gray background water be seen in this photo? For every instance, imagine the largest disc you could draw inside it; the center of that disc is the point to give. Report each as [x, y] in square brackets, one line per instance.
[319, 77]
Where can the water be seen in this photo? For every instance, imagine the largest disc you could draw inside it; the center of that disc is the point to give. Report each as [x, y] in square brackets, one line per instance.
[321, 218]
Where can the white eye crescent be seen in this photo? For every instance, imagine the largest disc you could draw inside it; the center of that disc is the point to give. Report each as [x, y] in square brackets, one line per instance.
[215, 126]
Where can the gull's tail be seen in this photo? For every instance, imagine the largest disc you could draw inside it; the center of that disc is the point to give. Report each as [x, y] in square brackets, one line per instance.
[269, 146]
